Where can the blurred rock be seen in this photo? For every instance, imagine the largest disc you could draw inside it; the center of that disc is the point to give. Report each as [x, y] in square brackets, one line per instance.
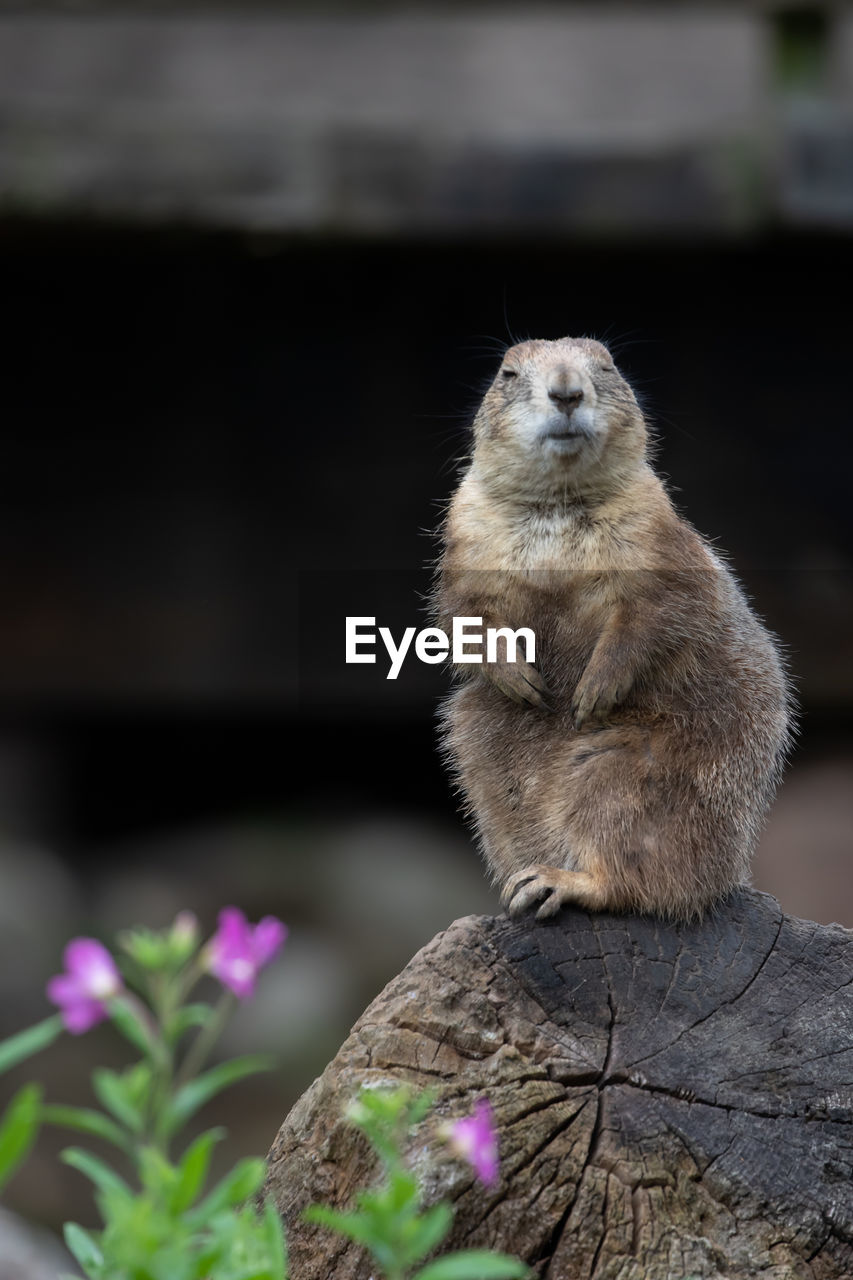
[40, 904]
[29, 1253]
[311, 987]
[358, 896]
[394, 881]
[805, 858]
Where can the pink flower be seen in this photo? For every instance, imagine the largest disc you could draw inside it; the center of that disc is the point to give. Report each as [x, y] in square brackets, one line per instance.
[90, 978]
[475, 1139]
[238, 950]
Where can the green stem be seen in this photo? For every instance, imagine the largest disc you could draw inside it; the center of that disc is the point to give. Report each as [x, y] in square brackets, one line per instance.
[187, 979]
[162, 1060]
[140, 1013]
[205, 1040]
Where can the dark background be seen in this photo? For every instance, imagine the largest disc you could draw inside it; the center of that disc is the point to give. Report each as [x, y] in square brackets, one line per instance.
[217, 447]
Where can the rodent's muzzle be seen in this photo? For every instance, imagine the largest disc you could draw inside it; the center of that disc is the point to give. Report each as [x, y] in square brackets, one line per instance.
[565, 390]
[566, 399]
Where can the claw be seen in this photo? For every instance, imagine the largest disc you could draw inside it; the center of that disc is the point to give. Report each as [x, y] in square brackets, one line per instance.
[595, 701]
[549, 907]
[515, 883]
[522, 683]
[526, 887]
[552, 888]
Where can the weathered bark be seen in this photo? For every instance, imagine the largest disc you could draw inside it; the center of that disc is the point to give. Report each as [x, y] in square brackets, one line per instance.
[673, 1101]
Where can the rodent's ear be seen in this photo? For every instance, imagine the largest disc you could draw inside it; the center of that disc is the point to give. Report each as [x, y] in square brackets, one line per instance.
[602, 354]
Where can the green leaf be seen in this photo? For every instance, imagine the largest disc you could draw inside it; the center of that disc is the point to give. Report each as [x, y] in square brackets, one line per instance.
[474, 1264]
[130, 1020]
[386, 1115]
[84, 1249]
[18, 1129]
[157, 1174]
[275, 1242]
[242, 1182]
[356, 1226]
[137, 1083]
[425, 1233]
[104, 1178]
[212, 1252]
[242, 1245]
[420, 1106]
[116, 1093]
[87, 1120]
[191, 1015]
[150, 950]
[195, 1093]
[193, 1168]
[401, 1191]
[386, 1102]
[26, 1043]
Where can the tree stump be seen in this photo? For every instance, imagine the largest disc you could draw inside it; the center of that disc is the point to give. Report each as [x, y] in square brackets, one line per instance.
[674, 1101]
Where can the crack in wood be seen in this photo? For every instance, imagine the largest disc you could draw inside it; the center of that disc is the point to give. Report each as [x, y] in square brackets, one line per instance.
[589, 1160]
[593, 1267]
[724, 1002]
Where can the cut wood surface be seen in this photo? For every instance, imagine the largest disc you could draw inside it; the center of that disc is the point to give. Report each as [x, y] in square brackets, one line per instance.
[674, 1101]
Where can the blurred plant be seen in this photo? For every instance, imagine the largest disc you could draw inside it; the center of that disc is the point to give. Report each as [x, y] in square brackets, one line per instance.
[390, 1219]
[164, 1228]
[19, 1123]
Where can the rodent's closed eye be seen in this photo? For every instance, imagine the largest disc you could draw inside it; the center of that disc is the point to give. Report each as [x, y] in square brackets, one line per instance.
[509, 373]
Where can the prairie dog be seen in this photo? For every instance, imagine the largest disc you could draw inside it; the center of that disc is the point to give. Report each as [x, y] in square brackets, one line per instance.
[630, 768]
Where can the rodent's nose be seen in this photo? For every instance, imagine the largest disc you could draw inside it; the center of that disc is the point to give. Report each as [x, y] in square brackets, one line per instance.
[566, 395]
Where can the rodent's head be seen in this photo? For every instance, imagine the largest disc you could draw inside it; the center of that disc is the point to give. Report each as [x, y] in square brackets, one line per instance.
[559, 417]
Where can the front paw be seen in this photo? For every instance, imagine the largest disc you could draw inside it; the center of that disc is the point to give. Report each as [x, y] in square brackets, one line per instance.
[595, 698]
[537, 882]
[521, 682]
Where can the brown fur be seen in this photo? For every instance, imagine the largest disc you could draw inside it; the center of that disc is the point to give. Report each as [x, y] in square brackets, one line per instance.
[632, 767]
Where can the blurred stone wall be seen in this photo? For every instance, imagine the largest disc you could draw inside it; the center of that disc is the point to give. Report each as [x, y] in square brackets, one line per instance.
[608, 119]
